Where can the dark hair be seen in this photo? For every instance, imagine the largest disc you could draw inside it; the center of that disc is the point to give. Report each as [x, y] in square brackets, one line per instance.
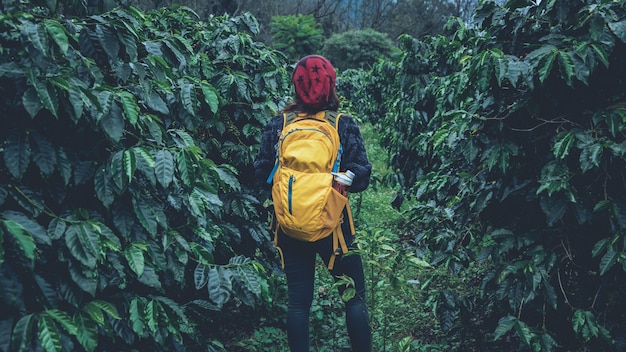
[298, 106]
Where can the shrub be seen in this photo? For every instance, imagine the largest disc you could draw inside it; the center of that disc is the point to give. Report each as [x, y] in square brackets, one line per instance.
[510, 137]
[126, 219]
[357, 48]
[296, 36]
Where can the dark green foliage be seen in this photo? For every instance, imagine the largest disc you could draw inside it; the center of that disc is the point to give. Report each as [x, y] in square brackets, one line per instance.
[126, 215]
[357, 48]
[296, 36]
[510, 137]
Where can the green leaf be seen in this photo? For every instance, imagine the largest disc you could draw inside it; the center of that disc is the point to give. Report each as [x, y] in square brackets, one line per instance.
[601, 54]
[104, 99]
[87, 332]
[228, 176]
[170, 306]
[1, 247]
[76, 247]
[30, 225]
[22, 335]
[182, 138]
[135, 257]
[196, 204]
[619, 29]
[608, 259]
[58, 34]
[108, 40]
[31, 102]
[76, 99]
[141, 152]
[153, 125]
[590, 156]
[137, 315]
[523, 331]
[94, 306]
[578, 320]
[103, 187]
[188, 98]
[554, 208]
[563, 144]
[108, 238]
[64, 319]
[618, 212]
[152, 316]
[44, 154]
[547, 62]
[24, 240]
[554, 178]
[129, 40]
[48, 334]
[47, 94]
[89, 236]
[600, 247]
[202, 199]
[31, 201]
[36, 34]
[60, 82]
[185, 167]
[117, 170]
[548, 343]
[112, 122]
[144, 209]
[505, 324]
[129, 104]
[16, 155]
[130, 164]
[64, 166]
[200, 275]
[210, 96]
[164, 167]
[549, 294]
[84, 277]
[180, 58]
[567, 65]
[156, 103]
[250, 279]
[219, 285]
[203, 255]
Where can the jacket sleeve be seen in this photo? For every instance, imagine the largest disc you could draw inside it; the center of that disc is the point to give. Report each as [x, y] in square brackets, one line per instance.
[354, 156]
[266, 158]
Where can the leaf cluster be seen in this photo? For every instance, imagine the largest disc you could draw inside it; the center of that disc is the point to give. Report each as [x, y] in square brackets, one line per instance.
[296, 36]
[127, 218]
[510, 138]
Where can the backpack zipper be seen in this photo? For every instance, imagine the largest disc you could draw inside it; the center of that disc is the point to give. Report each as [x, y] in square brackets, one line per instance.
[306, 129]
[292, 179]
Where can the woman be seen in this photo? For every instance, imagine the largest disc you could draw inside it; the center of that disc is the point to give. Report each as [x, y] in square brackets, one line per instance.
[314, 82]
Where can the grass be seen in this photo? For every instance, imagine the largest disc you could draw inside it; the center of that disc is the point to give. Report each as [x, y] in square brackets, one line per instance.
[373, 206]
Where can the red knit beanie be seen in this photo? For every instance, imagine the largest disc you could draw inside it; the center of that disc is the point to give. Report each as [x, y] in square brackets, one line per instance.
[314, 80]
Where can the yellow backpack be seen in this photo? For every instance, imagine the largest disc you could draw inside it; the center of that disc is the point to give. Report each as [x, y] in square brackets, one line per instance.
[306, 206]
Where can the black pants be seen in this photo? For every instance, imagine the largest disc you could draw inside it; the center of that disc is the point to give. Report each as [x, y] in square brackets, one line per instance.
[299, 258]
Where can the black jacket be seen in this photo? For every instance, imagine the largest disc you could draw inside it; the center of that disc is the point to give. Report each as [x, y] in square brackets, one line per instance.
[354, 157]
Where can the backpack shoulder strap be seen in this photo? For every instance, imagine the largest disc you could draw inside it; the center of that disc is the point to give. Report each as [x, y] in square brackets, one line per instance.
[288, 118]
[332, 117]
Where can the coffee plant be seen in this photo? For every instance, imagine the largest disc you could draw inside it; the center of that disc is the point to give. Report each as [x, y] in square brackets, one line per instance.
[510, 136]
[127, 217]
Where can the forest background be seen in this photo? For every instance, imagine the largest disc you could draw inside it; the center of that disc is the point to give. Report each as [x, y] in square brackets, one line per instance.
[495, 221]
